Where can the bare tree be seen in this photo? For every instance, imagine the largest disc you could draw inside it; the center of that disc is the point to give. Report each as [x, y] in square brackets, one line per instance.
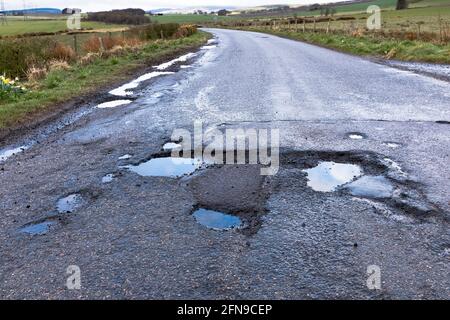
[401, 4]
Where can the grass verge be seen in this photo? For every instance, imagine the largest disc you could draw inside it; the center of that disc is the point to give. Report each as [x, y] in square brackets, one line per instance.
[61, 86]
[405, 50]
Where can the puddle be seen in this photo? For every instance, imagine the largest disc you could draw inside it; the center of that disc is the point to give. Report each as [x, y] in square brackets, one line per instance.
[441, 70]
[125, 157]
[327, 176]
[183, 58]
[5, 154]
[209, 47]
[394, 165]
[392, 145]
[169, 146]
[37, 228]
[124, 90]
[166, 167]
[371, 187]
[108, 178]
[113, 104]
[69, 204]
[356, 136]
[217, 220]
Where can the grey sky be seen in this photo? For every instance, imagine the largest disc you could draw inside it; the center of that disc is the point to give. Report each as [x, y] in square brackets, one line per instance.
[89, 5]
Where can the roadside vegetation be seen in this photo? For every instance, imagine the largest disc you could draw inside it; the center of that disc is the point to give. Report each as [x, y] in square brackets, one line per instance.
[418, 33]
[43, 74]
[16, 27]
[370, 45]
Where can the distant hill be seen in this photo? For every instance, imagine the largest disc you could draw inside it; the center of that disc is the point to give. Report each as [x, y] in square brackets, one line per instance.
[33, 11]
[192, 9]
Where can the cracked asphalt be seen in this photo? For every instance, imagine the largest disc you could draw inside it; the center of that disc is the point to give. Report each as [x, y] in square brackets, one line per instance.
[135, 238]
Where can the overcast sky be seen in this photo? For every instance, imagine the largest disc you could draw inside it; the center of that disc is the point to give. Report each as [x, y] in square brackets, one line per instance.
[90, 5]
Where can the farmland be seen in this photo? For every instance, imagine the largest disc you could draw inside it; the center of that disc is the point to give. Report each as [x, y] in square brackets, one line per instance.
[419, 33]
[17, 26]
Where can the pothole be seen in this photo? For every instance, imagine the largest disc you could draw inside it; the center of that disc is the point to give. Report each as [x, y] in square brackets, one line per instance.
[5, 154]
[125, 157]
[40, 228]
[234, 195]
[70, 203]
[384, 180]
[395, 166]
[327, 176]
[216, 220]
[125, 90]
[371, 187]
[165, 167]
[113, 104]
[356, 135]
[171, 146]
[182, 58]
[392, 145]
[108, 178]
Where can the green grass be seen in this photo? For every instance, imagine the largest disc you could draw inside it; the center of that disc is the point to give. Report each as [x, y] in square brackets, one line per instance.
[16, 27]
[61, 86]
[189, 18]
[429, 3]
[372, 46]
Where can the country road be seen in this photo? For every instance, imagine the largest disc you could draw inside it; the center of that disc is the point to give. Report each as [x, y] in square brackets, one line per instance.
[72, 197]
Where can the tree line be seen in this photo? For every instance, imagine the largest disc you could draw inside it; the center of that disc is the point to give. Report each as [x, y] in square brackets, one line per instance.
[124, 16]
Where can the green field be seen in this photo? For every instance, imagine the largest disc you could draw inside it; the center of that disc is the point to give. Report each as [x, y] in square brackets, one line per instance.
[18, 26]
[424, 10]
[188, 18]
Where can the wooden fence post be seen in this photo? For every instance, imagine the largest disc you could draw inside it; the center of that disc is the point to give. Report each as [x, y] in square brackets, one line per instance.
[314, 27]
[328, 25]
[75, 44]
[304, 24]
[102, 47]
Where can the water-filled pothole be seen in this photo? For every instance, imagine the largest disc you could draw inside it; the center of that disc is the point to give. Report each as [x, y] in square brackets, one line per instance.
[108, 178]
[392, 145]
[171, 146]
[166, 167]
[40, 228]
[70, 203]
[239, 192]
[327, 176]
[356, 135]
[5, 154]
[113, 104]
[371, 187]
[217, 220]
[125, 157]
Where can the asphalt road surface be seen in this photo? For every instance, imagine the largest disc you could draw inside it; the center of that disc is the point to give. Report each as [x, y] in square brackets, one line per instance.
[135, 237]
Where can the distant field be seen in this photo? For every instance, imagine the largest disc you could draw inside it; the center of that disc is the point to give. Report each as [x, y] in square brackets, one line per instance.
[188, 18]
[19, 26]
[428, 9]
[406, 20]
